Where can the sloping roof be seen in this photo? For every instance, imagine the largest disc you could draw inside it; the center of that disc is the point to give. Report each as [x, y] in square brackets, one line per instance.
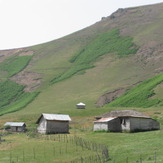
[15, 124]
[52, 117]
[81, 104]
[123, 113]
[105, 119]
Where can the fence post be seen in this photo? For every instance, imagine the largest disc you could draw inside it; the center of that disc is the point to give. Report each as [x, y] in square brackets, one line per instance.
[140, 159]
[10, 157]
[34, 156]
[127, 160]
[155, 157]
[23, 156]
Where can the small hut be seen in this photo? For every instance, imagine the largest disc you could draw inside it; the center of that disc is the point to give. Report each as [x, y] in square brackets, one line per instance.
[53, 123]
[15, 126]
[125, 121]
[80, 105]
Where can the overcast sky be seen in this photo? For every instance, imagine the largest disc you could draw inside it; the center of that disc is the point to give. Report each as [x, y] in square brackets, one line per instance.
[29, 22]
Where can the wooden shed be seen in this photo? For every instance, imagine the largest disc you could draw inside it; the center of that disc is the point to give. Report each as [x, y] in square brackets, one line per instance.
[125, 121]
[53, 123]
[80, 105]
[15, 126]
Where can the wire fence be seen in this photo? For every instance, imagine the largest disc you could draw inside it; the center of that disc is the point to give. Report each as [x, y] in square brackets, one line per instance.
[97, 153]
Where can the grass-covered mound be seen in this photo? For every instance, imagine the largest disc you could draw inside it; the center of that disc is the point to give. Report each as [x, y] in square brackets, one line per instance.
[13, 98]
[104, 43]
[140, 95]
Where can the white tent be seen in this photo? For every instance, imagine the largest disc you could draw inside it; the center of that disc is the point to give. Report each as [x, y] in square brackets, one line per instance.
[80, 105]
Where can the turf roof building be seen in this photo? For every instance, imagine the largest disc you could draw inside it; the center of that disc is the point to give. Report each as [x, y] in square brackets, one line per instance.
[125, 121]
[15, 126]
[53, 123]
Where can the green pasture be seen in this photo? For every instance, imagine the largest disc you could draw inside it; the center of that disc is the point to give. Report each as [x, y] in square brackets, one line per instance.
[104, 43]
[94, 61]
[134, 147]
[12, 96]
[51, 148]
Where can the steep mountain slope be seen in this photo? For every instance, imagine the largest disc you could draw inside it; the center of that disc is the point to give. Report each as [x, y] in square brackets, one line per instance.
[108, 71]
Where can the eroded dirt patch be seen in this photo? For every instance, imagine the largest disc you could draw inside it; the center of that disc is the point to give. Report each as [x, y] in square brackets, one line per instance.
[25, 53]
[110, 96]
[7, 53]
[30, 79]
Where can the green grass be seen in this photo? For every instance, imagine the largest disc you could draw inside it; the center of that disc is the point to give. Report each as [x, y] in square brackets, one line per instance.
[109, 72]
[15, 64]
[145, 145]
[140, 95]
[20, 148]
[10, 91]
[134, 146]
[13, 98]
[20, 103]
[104, 43]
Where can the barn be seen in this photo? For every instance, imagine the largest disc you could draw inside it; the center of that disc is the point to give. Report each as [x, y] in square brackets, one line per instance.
[125, 121]
[53, 123]
[80, 105]
[15, 126]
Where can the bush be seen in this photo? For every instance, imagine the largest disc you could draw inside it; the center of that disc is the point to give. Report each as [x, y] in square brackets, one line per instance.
[139, 96]
[15, 64]
[103, 44]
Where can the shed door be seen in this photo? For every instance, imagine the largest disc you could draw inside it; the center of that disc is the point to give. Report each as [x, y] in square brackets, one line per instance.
[16, 128]
[125, 124]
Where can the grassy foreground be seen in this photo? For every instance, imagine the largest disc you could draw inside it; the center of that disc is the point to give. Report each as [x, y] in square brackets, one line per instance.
[134, 147]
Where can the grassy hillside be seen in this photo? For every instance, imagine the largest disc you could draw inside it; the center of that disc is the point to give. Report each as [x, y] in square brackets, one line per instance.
[14, 64]
[140, 95]
[104, 43]
[13, 97]
[99, 47]
[94, 61]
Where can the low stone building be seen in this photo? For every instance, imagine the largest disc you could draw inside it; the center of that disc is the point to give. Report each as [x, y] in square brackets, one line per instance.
[80, 105]
[53, 123]
[15, 126]
[125, 121]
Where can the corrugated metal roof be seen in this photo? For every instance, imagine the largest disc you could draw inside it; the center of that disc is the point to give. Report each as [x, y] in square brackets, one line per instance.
[60, 117]
[19, 124]
[81, 104]
[106, 119]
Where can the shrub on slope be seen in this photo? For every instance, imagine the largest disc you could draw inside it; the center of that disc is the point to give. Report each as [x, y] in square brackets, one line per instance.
[15, 64]
[104, 43]
[139, 96]
[12, 97]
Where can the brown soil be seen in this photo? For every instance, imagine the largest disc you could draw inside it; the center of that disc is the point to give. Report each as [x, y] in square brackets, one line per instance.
[28, 52]
[7, 53]
[110, 96]
[30, 79]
